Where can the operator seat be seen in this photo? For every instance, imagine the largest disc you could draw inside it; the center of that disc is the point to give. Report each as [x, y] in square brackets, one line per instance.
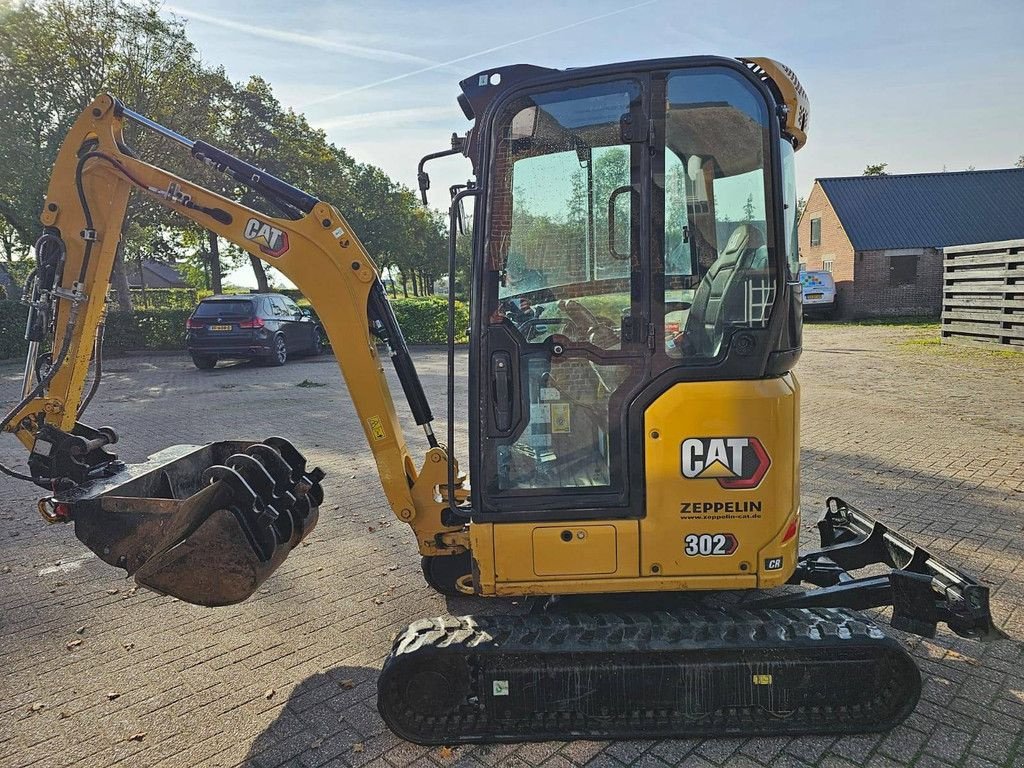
[719, 296]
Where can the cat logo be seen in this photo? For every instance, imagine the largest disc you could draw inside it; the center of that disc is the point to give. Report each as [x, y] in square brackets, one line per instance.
[737, 463]
[271, 240]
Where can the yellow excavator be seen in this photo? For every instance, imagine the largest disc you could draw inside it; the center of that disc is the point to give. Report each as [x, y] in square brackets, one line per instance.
[634, 419]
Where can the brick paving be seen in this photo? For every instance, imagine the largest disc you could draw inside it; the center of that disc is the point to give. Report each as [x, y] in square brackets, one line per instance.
[929, 439]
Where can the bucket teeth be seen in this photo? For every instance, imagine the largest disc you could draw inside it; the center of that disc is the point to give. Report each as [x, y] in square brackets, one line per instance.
[238, 509]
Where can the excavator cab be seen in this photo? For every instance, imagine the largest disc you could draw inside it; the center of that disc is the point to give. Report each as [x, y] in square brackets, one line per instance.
[636, 316]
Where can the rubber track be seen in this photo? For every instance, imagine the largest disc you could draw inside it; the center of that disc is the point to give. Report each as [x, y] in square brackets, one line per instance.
[436, 686]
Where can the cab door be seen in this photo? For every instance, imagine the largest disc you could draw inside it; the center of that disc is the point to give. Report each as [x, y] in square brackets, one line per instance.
[565, 338]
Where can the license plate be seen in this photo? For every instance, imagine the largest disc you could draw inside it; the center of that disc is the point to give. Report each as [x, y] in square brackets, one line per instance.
[809, 296]
[220, 327]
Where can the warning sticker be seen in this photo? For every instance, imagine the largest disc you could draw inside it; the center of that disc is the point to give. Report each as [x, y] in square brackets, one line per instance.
[560, 419]
[376, 425]
[548, 393]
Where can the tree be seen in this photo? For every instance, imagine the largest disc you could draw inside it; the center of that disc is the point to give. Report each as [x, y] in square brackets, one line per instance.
[54, 58]
[1020, 162]
[878, 169]
[748, 208]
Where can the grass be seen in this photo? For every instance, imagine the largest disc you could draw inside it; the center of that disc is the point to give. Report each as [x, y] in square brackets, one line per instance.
[901, 321]
[307, 384]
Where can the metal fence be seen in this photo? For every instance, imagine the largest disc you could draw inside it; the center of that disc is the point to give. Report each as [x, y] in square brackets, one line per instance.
[983, 294]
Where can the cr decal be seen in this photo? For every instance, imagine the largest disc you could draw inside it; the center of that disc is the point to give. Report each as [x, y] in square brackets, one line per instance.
[271, 240]
[735, 462]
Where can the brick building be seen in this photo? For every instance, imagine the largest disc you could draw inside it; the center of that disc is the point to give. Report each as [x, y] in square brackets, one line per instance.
[882, 236]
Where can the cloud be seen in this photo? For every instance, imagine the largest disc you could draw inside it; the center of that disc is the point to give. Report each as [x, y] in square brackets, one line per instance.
[450, 62]
[301, 39]
[389, 118]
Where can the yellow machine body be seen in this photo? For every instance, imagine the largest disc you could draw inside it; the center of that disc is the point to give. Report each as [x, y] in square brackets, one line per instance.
[696, 534]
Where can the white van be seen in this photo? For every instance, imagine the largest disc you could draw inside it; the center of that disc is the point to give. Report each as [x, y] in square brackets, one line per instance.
[819, 294]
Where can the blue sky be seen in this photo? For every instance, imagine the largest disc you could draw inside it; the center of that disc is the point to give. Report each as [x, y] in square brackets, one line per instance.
[923, 86]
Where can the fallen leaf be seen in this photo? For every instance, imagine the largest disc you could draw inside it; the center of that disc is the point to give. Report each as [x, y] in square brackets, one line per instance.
[6, 569]
[392, 567]
[113, 591]
[113, 695]
[269, 694]
[378, 601]
[73, 644]
[129, 646]
[446, 753]
[132, 591]
[353, 477]
[357, 747]
[317, 743]
[60, 583]
[36, 707]
[80, 631]
[348, 685]
[137, 736]
[63, 716]
[371, 529]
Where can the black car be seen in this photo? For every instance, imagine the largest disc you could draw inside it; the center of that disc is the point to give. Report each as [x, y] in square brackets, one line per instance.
[265, 327]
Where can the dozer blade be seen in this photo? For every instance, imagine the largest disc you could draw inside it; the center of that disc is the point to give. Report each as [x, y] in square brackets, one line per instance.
[644, 675]
[923, 590]
[206, 524]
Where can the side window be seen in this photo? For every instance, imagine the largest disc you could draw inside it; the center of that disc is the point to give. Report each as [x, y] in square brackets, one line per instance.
[903, 269]
[563, 229]
[291, 307]
[815, 231]
[277, 308]
[717, 277]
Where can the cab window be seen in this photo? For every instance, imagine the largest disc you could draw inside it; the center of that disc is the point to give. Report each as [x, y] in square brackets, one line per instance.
[717, 274]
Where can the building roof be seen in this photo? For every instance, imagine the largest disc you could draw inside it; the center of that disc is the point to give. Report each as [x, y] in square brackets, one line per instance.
[922, 210]
[163, 273]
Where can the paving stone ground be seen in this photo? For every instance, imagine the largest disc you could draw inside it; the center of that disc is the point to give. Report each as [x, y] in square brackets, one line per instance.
[929, 439]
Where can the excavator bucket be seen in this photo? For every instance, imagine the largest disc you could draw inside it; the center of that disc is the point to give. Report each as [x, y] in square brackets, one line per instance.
[206, 524]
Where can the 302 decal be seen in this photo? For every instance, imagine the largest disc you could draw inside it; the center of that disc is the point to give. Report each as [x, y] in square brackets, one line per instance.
[709, 544]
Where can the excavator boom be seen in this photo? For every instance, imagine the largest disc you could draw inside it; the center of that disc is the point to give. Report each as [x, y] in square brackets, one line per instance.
[239, 507]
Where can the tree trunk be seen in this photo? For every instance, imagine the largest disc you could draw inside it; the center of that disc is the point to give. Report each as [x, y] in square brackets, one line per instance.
[405, 286]
[215, 276]
[119, 277]
[261, 274]
[142, 285]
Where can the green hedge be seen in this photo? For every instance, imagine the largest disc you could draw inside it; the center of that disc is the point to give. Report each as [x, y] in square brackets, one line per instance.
[12, 329]
[423, 321]
[141, 329]
[167, 298]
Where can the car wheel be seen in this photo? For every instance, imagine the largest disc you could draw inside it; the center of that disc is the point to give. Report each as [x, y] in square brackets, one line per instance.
[318, 341]
[279, 352]
[204, 362]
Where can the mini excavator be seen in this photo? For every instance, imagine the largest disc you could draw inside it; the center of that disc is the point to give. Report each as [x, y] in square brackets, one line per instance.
[634, 419]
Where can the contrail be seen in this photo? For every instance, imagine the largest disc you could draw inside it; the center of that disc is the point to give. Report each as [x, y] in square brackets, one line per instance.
[309, 41]
[484, 52]
[391, 116]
